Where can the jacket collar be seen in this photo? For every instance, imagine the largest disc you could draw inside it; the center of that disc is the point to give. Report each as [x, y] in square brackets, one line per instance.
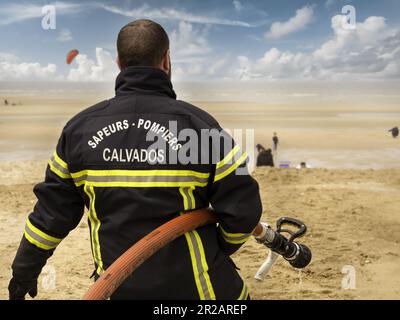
[145, 80]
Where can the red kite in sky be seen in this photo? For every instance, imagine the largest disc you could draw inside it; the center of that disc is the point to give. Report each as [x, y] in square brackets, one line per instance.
[71, 56]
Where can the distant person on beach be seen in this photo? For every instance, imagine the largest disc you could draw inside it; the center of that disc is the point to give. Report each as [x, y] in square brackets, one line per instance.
[275, 140]
[302, 165]
[265, 157]
[5, 102]
[395, 132]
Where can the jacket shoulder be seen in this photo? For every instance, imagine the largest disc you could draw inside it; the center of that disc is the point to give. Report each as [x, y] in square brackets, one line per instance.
[76, 120]
[206, 119]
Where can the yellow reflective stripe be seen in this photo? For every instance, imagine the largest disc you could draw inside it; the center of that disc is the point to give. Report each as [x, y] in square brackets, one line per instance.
[196, 250]
[87, 191]
[233, 235]
[234, 238]
[231, 168]
[95, 226]
[61, 162]
[205, 265]
[185, 199]
[244, 294]
[140, 173]
[58, 172]
[132, 184]
[39, 238]
[141, 178]
[99, 269]
[37, 243]
[191, 196]
[228, 157]
[41, 233]
[236, 241]
[59, 166]
[194, 266]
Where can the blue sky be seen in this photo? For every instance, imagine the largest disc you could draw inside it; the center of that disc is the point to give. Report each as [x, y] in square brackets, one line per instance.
[225, 39]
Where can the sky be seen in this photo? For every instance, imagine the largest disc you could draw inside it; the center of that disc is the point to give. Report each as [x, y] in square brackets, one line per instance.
[210, 40]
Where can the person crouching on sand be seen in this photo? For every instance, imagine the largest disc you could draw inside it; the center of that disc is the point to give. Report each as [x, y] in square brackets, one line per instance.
[264, 157]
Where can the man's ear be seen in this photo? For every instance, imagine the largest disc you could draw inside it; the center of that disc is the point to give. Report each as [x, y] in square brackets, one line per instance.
[119, 64]
[166, 62]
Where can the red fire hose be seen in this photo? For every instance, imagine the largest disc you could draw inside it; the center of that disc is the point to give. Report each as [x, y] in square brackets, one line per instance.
[128, 262]
[112, 278]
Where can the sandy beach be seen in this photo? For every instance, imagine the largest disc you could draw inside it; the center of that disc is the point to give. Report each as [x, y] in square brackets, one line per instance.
[349, 199]
[351, 216]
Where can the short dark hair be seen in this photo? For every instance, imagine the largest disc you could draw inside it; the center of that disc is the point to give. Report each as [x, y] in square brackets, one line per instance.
[142, 43]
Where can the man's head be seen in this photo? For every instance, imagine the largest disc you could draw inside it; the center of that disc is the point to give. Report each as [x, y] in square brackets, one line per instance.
[143, 43]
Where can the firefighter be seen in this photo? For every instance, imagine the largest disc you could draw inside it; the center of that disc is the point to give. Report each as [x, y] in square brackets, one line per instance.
[135, 162]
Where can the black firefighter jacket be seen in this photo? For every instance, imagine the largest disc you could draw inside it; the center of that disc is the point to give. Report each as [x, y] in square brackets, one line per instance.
[135, 162]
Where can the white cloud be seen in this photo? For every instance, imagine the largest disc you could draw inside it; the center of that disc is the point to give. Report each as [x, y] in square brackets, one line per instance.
[187, 41]
[7, 57]
[178, 74]
[301, 20]
[64, 36]
[190, 50]
[174, 14]
[368, 49]
[11, 69]
[192, 55]
[371, 51]
[237, 5]
[218, 65]
[103, 69]
[245, 71]
[12, 13]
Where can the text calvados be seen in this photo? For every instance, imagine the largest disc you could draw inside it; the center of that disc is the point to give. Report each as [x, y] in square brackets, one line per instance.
[134, 155]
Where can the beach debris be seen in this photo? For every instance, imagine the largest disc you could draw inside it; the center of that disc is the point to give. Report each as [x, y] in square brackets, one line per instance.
[284, 164]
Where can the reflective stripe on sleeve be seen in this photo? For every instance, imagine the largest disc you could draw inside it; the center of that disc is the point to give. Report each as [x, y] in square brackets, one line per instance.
[228, 157]
[59, 166]
[234, 238]
[39, 238]
[227, 166]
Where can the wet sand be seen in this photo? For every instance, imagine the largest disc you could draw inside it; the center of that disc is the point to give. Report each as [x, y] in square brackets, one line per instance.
[331, 136]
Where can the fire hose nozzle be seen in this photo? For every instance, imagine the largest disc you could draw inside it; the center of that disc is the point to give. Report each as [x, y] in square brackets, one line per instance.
[298, 255]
